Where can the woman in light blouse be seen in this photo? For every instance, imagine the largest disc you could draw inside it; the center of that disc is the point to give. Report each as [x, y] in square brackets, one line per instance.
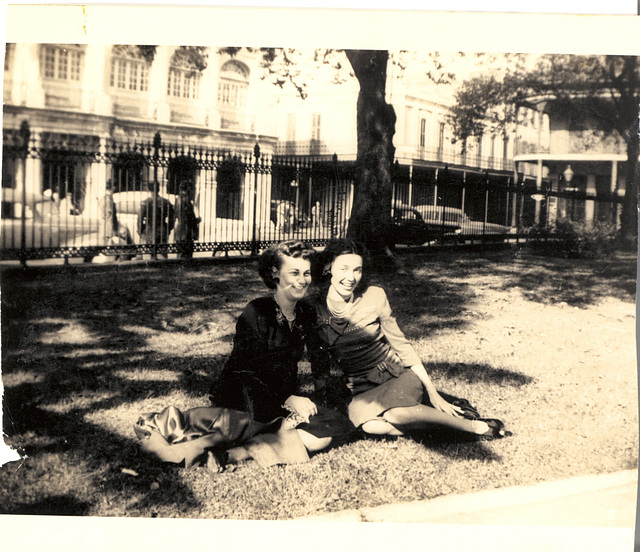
[391, 390]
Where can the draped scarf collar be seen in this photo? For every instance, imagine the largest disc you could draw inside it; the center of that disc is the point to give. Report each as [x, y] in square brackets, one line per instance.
[334, 327]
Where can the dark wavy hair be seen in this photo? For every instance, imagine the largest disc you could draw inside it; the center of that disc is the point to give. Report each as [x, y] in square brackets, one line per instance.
[273, 257]
[334, 248]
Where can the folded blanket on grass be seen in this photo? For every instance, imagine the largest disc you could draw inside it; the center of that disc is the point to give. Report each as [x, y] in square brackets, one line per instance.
[185, 436]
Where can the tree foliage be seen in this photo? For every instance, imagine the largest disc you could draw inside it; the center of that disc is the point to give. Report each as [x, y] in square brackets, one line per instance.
[601, 91]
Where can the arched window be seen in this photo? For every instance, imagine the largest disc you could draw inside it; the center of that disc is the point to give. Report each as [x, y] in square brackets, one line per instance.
[184, 74]
[128, 171]
[129, 69]
[182, 170]
[233, 85]
[62, 62]
[230, 190]
[232, 93]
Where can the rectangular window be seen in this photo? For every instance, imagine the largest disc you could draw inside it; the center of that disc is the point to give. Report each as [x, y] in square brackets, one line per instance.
[231, 94]
[61, 63]
[423, 133]
[133, 76]
[129, 74]
[183, 83]
[441, 137]
[74, 62]
[315, 126]
[505, 148]
[122, 74]
[50, 63]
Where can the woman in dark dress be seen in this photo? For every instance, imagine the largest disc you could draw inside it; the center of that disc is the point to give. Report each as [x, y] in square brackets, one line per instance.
[258, 412]
[391, 390]
[261, 375]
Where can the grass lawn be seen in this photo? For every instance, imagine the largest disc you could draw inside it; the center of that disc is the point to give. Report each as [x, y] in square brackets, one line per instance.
[547, 345]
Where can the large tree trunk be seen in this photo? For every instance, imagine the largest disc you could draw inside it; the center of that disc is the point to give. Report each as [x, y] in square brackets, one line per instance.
[376, 120]
[629, 215]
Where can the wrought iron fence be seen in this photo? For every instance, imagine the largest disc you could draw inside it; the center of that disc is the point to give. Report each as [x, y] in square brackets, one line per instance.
[84, 196]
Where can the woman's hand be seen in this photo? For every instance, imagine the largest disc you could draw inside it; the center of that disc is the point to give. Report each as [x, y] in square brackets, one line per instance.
[434, 397]
[302, 406]
[441, 404]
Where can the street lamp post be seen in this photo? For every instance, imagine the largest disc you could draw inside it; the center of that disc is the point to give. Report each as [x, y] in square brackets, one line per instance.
[568, 177]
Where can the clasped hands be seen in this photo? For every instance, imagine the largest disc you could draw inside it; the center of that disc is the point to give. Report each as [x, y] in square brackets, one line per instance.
[302, 406]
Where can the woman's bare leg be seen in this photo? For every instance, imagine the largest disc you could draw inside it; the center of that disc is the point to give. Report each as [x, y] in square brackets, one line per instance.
[418, 416]
[313, 443]
[380, 426]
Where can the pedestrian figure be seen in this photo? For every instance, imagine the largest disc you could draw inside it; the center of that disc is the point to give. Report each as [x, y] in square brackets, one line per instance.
[155, 230]
[110, 230]
[316, 215]
[187, 222]
[284, 217]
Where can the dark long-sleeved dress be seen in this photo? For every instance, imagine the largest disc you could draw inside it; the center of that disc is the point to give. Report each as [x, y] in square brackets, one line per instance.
[262, 371]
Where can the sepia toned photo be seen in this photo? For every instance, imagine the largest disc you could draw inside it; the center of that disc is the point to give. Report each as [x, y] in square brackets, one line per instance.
[276, 277]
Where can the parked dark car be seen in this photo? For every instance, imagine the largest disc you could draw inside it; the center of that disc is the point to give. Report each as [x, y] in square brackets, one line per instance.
[410, 228]
[456, 220]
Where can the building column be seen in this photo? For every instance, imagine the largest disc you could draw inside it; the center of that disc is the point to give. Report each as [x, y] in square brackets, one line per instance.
[159, 110]
[94, 98]
[614, 191]
[590, 204]
[538, 185]
[27, 90]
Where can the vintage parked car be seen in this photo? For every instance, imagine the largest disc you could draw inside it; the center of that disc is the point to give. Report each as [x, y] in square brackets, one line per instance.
[457, 221]
[410, 228]
[47, 223]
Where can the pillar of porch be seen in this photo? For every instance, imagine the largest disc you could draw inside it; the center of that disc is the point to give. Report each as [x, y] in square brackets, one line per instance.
[590, 204]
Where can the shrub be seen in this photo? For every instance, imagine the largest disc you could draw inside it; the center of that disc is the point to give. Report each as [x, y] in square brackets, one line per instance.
[573, 239]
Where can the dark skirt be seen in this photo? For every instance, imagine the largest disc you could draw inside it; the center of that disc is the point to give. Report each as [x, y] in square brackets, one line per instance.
[404, 390]
[329, 423]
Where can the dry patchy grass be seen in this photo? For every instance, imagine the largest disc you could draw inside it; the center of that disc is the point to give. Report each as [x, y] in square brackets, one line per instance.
[548, 345]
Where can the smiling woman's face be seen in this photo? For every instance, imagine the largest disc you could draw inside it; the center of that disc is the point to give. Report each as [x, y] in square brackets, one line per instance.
[293, 278]
[346, 273]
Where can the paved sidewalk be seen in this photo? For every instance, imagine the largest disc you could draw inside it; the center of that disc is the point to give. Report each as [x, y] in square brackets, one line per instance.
[607, 500]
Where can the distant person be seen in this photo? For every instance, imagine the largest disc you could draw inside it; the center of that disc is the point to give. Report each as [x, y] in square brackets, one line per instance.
[316, 215]
[284, 217]
[110, 230]
[155, 231]
[108, 216]
[187, 222]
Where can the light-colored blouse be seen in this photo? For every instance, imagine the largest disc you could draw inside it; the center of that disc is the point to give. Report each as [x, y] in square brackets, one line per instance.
[367, 338]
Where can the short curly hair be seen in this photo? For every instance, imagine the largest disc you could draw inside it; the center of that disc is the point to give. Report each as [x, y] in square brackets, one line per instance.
[273, 257]
[333, 249]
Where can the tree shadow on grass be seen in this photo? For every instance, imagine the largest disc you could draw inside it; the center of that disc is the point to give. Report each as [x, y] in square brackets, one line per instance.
[577, 282]
[61, 505]
[456, 445]
[42, 413]
[476, 373]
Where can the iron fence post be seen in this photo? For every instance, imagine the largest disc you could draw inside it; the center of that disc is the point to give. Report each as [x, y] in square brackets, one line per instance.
[25, 133]
[254, 242]
[520, 197]
[157, 142]
[486, 206]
